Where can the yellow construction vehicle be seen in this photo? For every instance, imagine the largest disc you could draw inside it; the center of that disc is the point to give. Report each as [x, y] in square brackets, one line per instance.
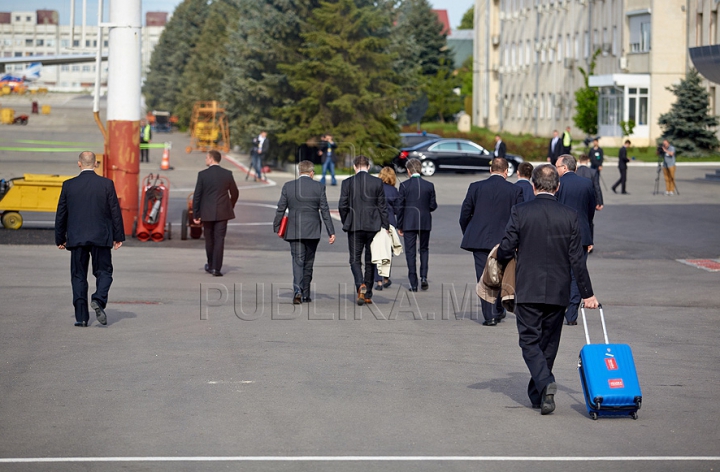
[32, 192]
[209, 128]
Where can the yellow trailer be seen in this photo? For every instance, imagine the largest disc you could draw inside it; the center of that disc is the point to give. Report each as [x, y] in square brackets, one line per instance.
[31, 192]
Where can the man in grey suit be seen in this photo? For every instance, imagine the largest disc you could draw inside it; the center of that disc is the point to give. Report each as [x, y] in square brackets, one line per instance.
[303, 198]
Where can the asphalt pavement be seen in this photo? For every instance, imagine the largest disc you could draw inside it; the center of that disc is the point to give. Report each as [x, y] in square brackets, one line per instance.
[195, 372]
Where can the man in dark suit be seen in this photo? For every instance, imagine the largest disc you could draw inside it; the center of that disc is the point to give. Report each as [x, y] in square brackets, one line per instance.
[303, 198]
[500, 148]
[597, 156]
[483, 217]
[215, 196]
[622, 167]
[417, 201]
[88, 223]
[363, 212]
[584, 170]
[257, 153]
[555, 148]
[545, 237]
[577, 193]
[524, 174]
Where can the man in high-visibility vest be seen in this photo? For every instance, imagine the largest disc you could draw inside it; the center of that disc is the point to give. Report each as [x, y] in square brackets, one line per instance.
[567, 141]
[145, 135]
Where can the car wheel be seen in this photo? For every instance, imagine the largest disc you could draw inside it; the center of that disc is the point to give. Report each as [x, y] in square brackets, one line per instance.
[428, 168]
[511, 168]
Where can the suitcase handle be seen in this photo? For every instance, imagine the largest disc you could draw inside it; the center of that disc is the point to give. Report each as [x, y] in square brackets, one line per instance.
[602, 318]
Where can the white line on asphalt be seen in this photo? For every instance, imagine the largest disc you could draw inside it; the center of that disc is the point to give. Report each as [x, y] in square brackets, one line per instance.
[15, 460]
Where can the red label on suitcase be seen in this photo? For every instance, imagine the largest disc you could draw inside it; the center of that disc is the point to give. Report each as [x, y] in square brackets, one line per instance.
[616, 383]
[611, 364]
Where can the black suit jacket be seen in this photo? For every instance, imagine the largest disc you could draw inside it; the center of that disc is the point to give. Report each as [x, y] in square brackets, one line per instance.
[264, 148]
[555, 152]
[392, 200]
[486, 211]
[578, 193]
[546, 236]
[501, 150]
[527, 189]
[362, 204]
[417, 201]
[623, 159]
[88, 213]
[215, 195]
[303, 198]
[594, 176]
[596, 157]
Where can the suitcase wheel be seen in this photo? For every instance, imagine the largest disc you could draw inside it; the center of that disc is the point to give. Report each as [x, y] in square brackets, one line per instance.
[594, 415]
[634, 415]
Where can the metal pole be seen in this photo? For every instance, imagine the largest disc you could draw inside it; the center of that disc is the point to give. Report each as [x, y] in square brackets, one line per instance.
[84, 24]
[72, 23]
[123, 105]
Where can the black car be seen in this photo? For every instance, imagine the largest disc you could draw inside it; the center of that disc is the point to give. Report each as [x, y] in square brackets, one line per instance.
[453, 155]
[413, 139]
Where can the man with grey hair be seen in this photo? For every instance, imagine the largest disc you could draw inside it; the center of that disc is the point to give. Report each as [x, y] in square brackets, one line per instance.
[88, 223]
[542, 278]
[305, 202]
[416, 202]
[577, 193]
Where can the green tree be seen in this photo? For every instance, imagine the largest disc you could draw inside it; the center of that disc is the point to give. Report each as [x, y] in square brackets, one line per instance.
[162, 87]
[688, 124]
[586, 98]
[468, 19]
[205, 70]
[440, 90]
[423, 31]
[344, 82]
[266, 34]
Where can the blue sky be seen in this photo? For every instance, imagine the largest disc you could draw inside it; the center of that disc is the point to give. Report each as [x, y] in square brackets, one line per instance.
[455, 8]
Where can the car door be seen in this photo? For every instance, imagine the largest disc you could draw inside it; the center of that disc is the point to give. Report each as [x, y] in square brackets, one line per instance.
[445, 154]
[474, 156]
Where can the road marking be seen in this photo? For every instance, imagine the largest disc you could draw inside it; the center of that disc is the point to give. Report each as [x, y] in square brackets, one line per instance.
[15, 460]
[710, 265]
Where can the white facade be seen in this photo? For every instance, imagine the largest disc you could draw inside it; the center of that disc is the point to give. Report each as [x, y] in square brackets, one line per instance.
[23, 37]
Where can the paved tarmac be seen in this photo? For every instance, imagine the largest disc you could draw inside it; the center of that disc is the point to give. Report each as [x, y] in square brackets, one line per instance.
[219, 371]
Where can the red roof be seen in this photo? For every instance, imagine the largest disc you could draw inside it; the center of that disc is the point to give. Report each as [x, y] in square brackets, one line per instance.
[443, 18]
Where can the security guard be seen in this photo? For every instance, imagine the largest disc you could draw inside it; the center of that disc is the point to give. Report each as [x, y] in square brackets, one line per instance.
[145, 136]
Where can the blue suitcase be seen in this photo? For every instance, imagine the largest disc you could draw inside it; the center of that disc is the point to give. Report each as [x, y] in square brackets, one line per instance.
[608, 377]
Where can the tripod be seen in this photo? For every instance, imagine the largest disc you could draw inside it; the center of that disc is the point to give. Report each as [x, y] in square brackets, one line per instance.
[656, 191]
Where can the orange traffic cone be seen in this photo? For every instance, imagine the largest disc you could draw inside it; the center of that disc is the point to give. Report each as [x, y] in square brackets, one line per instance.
[165, 163]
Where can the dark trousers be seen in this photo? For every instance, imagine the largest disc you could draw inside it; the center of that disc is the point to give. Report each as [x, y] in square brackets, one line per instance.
[539, 327]
[571, 313]
[621, 181]
[215, 242]
[303, 258]
[256, 163]
[102, 269]
[411, 238]
[144, 153]
[490, 310]
[357, 242]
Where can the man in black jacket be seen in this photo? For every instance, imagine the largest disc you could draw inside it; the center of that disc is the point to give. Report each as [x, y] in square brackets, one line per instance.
[483, 217]
[585, 170]
[597, 156]
[363, 212]
[305, 201]
[555, 148]
[622, 167]
[417, 202]
[88, 223]
[544, 236]
[215, 196]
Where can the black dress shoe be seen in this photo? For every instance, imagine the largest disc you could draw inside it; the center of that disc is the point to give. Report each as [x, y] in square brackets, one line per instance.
[99, 312]
[490, 322]
[501, 316]
[208, 269]
[536, 406]
[81, 324]
[413, 289]
[216, 273]
[548, 399]
[306, 299]
[387, 284]
[572, 323]
[379, 287]
[424, 283]
[613, 189]
[297, 299]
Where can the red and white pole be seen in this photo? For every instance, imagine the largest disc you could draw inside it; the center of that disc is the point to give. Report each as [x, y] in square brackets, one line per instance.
[123, 105]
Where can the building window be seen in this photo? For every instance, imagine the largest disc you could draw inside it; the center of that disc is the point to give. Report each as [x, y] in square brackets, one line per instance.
[105, 43]
[638, 105]
[17, 18]
[75, 68]
[28, 42]
[560, 48]
[86, 68]
[64, 68]
[542, 105]
[39, 42]
[18, 54]
[551, 51]
[614, 41]
[640, 33]
[699, 30]
[28, 18]
[587, 44]
[64, 43]
[76, 43]
[542, 51]
[528, 51]
[50, 42]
